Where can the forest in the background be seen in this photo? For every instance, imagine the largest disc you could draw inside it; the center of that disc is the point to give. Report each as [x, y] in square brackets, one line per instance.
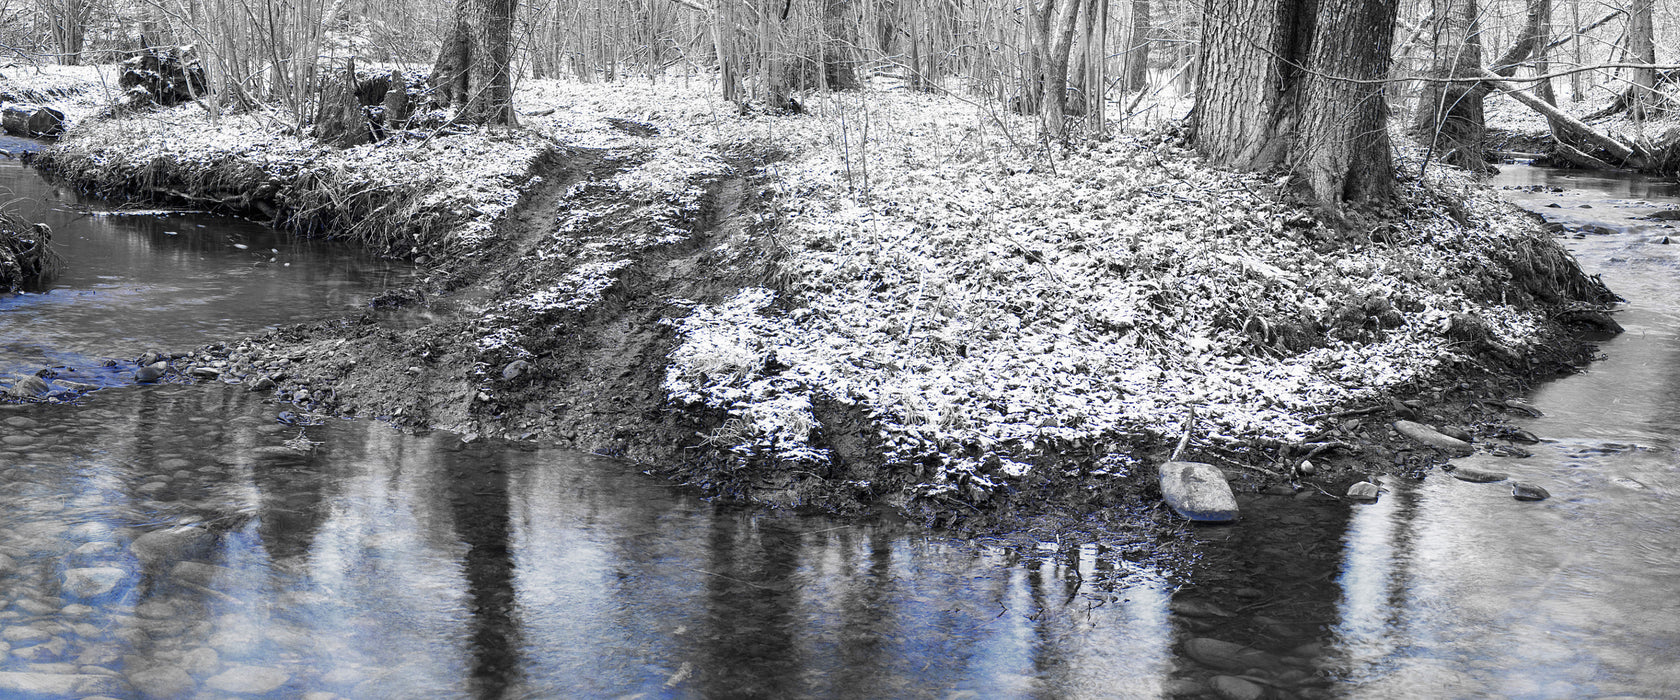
[1006, 53]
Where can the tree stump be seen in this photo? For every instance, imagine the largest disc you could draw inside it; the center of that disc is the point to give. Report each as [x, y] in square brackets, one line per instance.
[24, 119]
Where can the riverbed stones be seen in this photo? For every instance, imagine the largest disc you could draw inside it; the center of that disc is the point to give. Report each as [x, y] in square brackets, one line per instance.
[15, 684]
[28, 386]
[1227, 656]
[1427, 435]
[1198, 492]
[24, 636]
[172, 545]
[201, 574]
[201, 662]
[249, 680]
[1476, 475]
[1234, 688]
[1364, 491]
[162, 682]
[92, 582]
[1524, 491]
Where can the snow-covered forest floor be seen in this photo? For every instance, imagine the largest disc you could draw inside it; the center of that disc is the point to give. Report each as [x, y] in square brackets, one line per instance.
[990, 308]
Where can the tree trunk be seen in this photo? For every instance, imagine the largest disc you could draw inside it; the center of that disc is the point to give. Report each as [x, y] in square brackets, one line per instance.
[473, 72]
[1054, 100]
[839, 57]
[1271, 94]
[1642, 97]
[1341, 150]
[1449, 118]
[1137, 49]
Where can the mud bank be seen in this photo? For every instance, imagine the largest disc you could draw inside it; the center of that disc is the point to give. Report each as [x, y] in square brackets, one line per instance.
[959, 338]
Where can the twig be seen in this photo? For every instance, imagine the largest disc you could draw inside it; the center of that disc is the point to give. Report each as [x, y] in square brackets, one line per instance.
[1184, 440]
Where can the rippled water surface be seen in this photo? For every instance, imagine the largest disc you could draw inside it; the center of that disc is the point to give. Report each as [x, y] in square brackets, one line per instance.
[184, 542]
[134, 281]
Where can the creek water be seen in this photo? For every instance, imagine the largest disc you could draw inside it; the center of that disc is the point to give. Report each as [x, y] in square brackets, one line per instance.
[183, 542]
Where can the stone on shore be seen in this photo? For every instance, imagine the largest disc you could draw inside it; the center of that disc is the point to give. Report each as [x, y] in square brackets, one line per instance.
[1198, 491]
[1423, 434]
[1364, 491]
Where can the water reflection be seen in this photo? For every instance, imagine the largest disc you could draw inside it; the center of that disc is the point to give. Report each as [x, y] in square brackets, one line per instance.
[166, 540]
[165, 281]
[1453, 589]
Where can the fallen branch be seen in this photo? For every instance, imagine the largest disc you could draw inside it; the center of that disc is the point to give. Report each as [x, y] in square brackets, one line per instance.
[1561, 120]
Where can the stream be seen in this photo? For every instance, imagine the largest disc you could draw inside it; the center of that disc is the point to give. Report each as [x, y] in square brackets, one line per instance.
[168, 542]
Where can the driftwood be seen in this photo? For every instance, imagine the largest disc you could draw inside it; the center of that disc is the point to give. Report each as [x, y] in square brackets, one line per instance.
[24, 119]
[1569, 131]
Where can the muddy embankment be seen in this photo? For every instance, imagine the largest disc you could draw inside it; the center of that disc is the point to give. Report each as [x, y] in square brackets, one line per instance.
[558, 325]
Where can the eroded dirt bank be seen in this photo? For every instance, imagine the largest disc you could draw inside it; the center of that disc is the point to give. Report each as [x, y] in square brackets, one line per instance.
[956, 337]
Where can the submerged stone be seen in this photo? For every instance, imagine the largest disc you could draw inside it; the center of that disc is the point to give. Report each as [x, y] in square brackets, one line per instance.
[93, 582]
[14, 684]
[249, 680]
[1234, 688]
[1476, 475]
[1227, 656]
[162, 682]
[1198, 491]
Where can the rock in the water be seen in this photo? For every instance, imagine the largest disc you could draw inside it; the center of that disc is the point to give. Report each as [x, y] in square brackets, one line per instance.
[29, 386]
[151, 372]
[172, 545]
[1198, 608]
[202, 574]
[1476, 475]
[1234, 688]
[202, 661]
[1528, 492]
[148, 357]
[1198, 491]
[1426, 435]
[16, 684]
[249, 680]
[92, 582]
[23, 636]
[1364, 491]
[1226, 655]
[162, 682]
[205, 372]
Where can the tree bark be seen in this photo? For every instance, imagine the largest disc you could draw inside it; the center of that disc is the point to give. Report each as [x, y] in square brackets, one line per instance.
[1449, 118]
[1341, 150]
[1274, 93]
[1137, 48]
[1642, 97]
[473, 72]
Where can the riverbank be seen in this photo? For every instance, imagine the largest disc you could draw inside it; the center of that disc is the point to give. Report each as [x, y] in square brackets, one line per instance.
[885, 302]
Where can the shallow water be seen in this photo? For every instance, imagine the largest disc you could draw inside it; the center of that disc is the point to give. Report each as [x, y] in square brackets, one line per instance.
[1454, 589]
[385, 565]
[165, 280]
[176, 541]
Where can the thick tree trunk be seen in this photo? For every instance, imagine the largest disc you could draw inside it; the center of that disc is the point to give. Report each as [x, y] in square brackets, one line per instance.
[839, 58]
[1273, 94]
[1056, 68]
[1246, 90]
[1341, 149]
[1449, 118]
[473, 72]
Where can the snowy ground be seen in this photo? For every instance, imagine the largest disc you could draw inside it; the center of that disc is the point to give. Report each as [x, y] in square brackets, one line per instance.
[988, 302]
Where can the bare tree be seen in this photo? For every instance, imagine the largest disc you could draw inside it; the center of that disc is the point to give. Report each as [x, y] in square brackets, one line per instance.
[473, 73]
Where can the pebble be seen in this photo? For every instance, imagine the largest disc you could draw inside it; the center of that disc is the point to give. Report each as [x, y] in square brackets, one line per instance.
[1528, 492]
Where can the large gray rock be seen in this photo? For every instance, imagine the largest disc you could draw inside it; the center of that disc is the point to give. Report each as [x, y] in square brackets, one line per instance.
[1198, 491]
[93, 582]
[1418, 432]
[29, 386]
